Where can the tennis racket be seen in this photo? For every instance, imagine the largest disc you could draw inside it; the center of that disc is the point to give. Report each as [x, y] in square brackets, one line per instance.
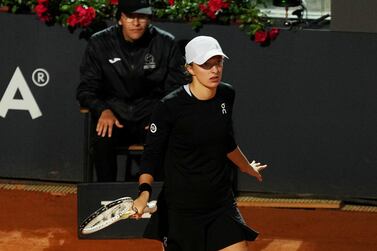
[112, 212]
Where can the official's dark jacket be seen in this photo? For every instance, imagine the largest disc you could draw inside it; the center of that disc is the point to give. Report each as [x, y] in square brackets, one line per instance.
[129, 78]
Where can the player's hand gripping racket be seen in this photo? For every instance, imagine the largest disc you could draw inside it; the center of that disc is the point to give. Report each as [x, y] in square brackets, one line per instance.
[116, 210]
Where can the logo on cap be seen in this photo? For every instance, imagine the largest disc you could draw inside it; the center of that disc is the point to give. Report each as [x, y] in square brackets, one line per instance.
[114, 60]
[153, 128]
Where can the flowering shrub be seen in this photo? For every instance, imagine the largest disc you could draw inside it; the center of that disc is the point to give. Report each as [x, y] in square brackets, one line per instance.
[74, 14]
[91, 15]
[245, 13]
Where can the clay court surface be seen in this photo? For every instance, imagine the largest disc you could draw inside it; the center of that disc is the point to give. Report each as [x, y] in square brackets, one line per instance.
[37, 219]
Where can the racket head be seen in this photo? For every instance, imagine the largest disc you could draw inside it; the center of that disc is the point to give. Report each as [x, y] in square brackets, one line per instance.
[116, 210]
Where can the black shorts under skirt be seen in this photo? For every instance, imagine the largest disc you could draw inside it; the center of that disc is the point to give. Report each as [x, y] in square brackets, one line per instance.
[208, 231]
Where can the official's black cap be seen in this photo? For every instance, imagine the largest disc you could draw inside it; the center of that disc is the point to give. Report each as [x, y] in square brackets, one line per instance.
[135, 6]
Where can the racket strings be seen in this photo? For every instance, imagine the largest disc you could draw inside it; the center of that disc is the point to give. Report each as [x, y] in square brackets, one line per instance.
[107, 215]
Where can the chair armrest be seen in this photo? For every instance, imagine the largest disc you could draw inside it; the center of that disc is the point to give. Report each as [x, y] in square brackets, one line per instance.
[136, 148]
[84, 110]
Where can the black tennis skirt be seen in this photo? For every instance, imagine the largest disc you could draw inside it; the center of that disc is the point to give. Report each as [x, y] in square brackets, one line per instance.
[205, 231]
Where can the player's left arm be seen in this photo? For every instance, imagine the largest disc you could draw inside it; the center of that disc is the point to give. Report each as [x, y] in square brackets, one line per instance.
[240, 160]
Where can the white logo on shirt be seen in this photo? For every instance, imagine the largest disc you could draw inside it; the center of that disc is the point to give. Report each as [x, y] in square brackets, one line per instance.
[153, 128]
[165, 241]
[114, 60]
[149, 62]
[223, 110]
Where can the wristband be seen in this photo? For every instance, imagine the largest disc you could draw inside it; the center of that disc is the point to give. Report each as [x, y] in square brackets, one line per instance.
[145, 187]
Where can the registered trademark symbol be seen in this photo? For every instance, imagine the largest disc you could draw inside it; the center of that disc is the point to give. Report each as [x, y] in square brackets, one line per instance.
[40, 77]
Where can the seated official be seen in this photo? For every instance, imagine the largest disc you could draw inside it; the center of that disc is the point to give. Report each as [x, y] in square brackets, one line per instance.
[125, 70]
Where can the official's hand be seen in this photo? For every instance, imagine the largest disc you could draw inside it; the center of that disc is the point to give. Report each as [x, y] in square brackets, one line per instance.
[255, 169]
[106, 122]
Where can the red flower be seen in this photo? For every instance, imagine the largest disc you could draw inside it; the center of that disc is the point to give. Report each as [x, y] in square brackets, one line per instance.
[72, 20]
[273, 33]
[42, 2]
[114, 2]
[261, 37]
[87, 16]
[42, 11]
[213, 8]
[217, 5]
[83, 16]
[203, 7]
[171, 2]
[264, 38]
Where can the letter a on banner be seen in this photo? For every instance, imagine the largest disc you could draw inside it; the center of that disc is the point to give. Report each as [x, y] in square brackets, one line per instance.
[28, 103]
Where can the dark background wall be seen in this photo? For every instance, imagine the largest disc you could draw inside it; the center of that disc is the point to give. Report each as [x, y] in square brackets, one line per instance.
[356, 16]
[50, 146]
[306, 105]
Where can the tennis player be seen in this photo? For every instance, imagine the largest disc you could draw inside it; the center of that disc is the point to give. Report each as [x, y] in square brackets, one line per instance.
[191, 138]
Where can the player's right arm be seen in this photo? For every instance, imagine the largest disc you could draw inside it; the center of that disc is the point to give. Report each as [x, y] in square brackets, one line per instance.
[141, 201]
[154, 152]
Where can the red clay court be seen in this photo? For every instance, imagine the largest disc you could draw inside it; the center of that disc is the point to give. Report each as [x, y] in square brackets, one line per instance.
[43, 217]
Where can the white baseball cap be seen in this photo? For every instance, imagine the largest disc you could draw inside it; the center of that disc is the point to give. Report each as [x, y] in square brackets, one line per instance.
[202, 48]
